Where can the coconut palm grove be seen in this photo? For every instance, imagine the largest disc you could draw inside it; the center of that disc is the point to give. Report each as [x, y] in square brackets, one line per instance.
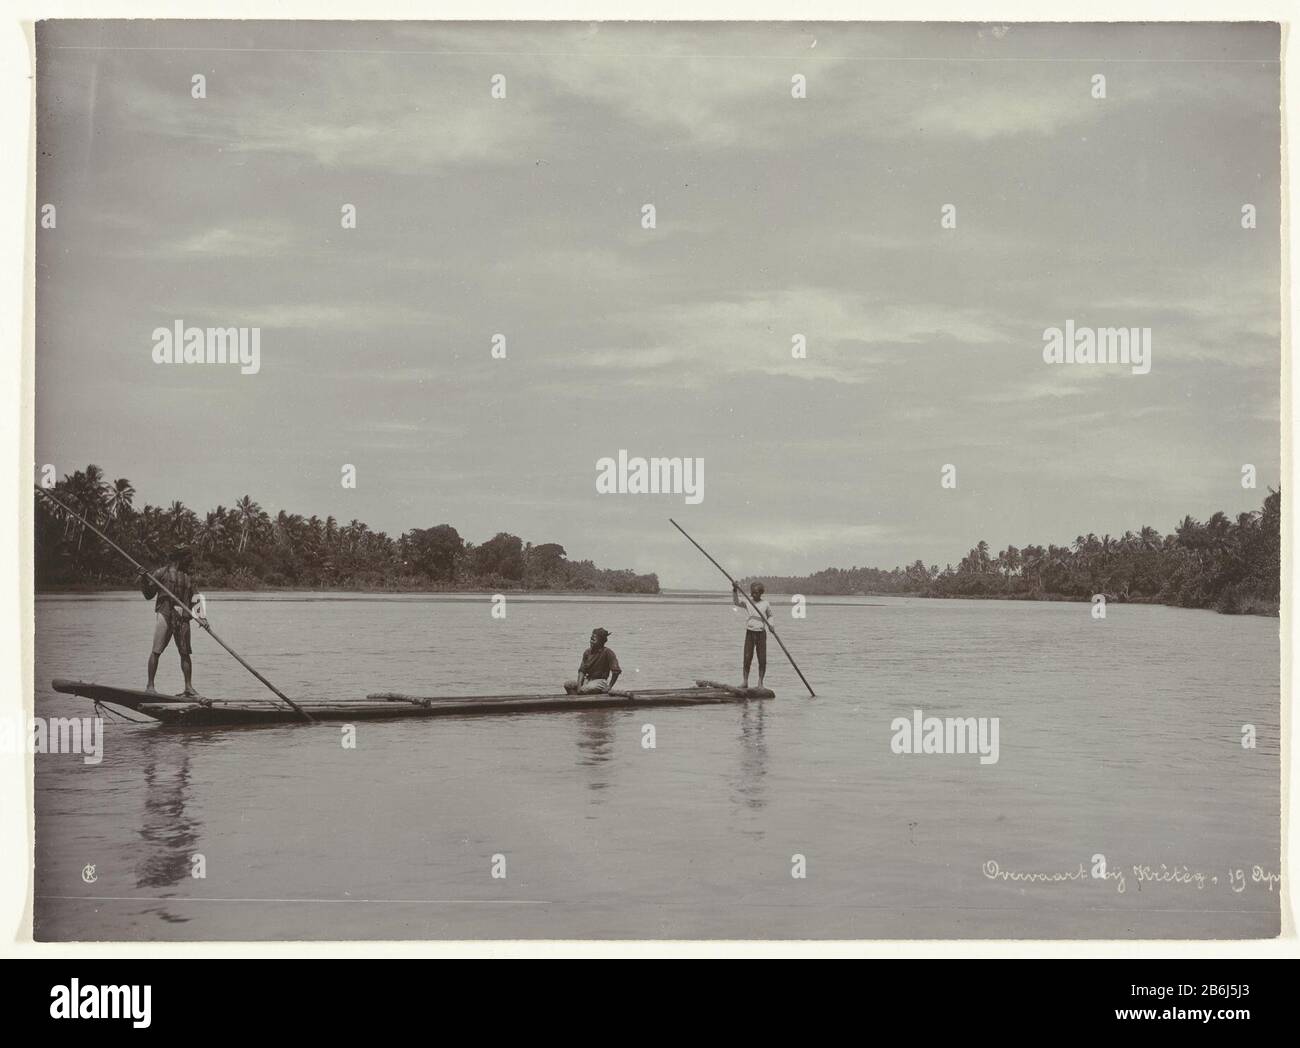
[1230, 565]
[243, 547]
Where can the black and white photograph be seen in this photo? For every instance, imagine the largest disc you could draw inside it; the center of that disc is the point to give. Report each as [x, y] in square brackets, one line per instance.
[656, 480]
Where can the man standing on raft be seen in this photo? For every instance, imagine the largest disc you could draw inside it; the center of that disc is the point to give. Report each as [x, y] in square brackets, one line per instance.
[171, 620]
[755, 628]
[599, 668]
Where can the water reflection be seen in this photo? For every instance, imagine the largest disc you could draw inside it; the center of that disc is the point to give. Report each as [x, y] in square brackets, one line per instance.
[750, 789]
[169, 834]
[596, 746]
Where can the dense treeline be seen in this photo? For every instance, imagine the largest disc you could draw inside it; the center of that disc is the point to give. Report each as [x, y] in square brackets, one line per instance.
[243, 547]
[1233, 566]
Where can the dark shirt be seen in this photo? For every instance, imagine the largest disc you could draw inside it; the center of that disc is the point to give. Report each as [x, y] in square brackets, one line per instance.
[598, 665]
[179, 582]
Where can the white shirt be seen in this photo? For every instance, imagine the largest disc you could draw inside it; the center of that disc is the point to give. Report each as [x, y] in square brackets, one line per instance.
[758, 622]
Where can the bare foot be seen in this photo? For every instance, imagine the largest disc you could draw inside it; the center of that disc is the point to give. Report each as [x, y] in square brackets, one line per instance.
[188, 693]
[151, 689]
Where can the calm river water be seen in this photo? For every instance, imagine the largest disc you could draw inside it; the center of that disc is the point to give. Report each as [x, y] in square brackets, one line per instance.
[1118, 738]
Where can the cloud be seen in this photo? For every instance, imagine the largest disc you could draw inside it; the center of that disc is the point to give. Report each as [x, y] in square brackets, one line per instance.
[993, 113]
[776, 217]
[804, 534]
[850, 337]
[1030, 392]
[326, 318]
[241, 241]
[348, 110]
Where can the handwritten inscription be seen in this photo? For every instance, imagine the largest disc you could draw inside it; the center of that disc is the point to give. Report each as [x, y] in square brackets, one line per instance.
[1142, 874]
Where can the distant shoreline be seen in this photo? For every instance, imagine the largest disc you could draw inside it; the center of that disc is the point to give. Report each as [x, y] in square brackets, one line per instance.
[662, 597]
[120, 587]
[1263, 609]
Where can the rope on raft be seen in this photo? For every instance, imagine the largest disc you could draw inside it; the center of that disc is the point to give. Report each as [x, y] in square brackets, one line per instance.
[103, 710]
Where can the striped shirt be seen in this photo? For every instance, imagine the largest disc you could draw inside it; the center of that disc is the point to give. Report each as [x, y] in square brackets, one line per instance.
[179, 582]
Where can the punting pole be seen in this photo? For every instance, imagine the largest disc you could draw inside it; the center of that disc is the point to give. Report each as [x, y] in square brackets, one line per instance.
[736, 586]
[176, 600]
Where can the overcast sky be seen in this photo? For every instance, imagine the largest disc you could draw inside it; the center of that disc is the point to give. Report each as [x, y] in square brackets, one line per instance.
[775, 216]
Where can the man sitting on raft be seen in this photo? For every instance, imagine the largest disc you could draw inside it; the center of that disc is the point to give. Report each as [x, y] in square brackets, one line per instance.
[599, 668]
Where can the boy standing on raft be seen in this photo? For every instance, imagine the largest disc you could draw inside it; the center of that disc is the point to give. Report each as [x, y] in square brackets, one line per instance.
[755, 628]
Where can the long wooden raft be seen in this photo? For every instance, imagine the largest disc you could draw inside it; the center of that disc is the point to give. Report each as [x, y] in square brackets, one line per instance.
[205, 712]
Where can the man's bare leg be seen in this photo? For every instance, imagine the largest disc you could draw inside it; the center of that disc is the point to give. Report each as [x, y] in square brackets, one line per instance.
[187, 668]
[153, 671]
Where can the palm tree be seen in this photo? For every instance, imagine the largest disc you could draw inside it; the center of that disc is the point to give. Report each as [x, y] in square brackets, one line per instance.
[287, 529]
[1188, 533]
[250, 514]
[280, 529]
[1217, 529]
[1009, 561]
[58, 512]
[220, 527]
[181, 521]
[352, 533]
[117, 500]
[211, 530]
[86, 491]
[1032, 559]
[149, 526]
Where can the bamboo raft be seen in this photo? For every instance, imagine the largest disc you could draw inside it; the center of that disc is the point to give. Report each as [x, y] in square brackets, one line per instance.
[206, 713]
